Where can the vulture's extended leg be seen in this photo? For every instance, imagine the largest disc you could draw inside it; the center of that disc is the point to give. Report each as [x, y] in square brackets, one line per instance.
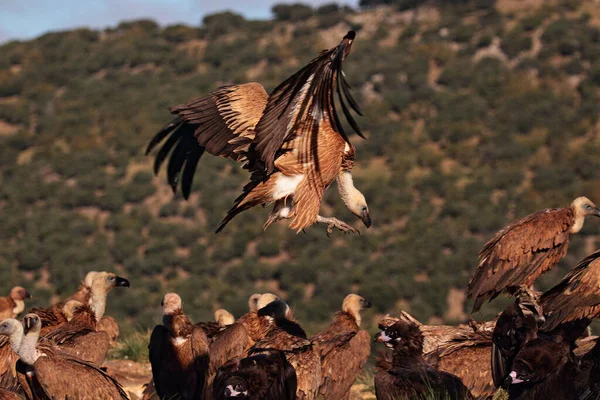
[333, 222]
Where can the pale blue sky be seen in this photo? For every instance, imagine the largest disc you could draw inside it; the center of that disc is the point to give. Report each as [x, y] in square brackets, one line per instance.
[25, 19]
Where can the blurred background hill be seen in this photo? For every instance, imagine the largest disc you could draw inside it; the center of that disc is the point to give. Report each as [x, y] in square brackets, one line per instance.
[476, 112]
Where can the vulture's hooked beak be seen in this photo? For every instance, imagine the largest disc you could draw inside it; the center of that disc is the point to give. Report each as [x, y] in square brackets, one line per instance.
[596, 211]
[27, 295]
[367, 304]
[365, 218]
[27, 323]
[122, 282]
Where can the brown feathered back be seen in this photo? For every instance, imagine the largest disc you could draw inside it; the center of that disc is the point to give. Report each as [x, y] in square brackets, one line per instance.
[521, 252]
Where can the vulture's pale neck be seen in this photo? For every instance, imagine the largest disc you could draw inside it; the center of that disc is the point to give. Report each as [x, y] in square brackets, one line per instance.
[346, 188]
[19, 307]
[28, 349]
[354, 312]
[16, 338]
[98, 303]
[579, 219]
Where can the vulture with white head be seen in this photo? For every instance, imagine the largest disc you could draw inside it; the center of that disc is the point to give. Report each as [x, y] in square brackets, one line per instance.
[523, 250]
[292, 142]
[81, 335]
[178, 354]
[344, 349]
[55, 374]
[13, 304]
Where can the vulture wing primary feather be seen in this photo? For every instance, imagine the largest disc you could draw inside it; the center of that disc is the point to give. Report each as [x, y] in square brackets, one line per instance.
[292, 142]
[525, 249]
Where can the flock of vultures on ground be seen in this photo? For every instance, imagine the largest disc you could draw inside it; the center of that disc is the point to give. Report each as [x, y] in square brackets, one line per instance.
[294, 146]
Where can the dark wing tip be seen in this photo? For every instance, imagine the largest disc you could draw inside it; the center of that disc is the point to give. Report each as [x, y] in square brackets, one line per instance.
[350, 35]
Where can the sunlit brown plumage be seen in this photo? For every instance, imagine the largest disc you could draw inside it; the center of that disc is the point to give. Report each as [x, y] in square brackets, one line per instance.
[525, 249]
[13, 304]
[576, 297]
[344, 349]
[291, 141]
[463, 351]
[178, 354]
[409, 375]
[57, 375]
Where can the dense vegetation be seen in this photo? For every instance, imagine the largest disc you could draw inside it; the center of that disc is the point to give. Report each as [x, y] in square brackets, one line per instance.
[476, 113]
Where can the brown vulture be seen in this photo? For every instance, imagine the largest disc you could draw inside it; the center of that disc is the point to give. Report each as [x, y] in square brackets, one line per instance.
[9, 348]
[410, 376]
[344, 349]
[57, 375]
[13, 304]
[81, 335]
[522, 251]
[292, 142]
[288, 336]
[178, 354]
[463, 350]
[517, 325]
[267, 376]
[575, 300]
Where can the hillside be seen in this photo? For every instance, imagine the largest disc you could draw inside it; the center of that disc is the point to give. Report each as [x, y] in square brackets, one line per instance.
[475, 114]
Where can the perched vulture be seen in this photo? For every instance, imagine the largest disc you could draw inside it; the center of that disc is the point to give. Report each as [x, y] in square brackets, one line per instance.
[463, 350]
[543, 369]
[576, 299]
[517, 325]
[289, 337]
[81, 336]
[9, 348]
[178, 354]
[13, 304]
[525, 249]
[292, 142]
[410, 376]
[266, 376]
[343, 348]
[57, 375]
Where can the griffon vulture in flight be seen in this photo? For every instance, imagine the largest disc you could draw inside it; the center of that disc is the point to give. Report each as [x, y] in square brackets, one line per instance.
[525, 249]
[292, 142]
[344, 349]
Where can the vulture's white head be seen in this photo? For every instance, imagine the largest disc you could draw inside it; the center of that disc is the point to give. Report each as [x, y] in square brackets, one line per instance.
[253, 301]
[266, 299]
[89, 278]
[584, 206]
[171, 302]
[10, 326]
[224, 317]
[353, 199]
[19, 293]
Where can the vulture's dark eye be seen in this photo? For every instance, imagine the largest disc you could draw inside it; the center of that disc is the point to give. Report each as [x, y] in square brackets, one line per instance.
[111, 278]
[364, 209]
